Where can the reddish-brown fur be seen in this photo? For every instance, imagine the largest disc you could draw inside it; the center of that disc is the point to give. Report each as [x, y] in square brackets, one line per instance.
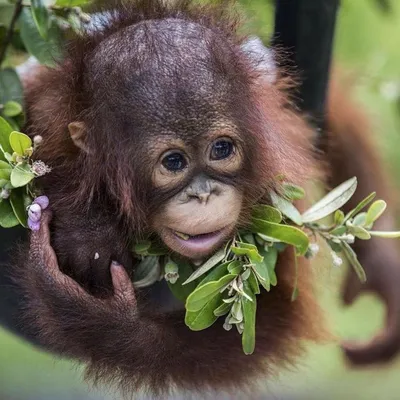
[350, 151]
[135, 345]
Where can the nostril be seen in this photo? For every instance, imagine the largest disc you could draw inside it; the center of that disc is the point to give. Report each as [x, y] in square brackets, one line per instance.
[203, 197]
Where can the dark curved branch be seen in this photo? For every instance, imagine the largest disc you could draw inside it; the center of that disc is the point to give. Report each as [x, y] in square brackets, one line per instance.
[305, 30]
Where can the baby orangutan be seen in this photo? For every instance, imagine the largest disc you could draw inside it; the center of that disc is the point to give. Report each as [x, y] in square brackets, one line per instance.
[163, 120]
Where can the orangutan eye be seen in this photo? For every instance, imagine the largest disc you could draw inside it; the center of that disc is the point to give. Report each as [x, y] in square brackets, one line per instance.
[221, 149]
[174, 162]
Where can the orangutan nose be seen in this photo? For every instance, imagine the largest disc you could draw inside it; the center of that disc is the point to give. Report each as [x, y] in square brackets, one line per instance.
[201, 188]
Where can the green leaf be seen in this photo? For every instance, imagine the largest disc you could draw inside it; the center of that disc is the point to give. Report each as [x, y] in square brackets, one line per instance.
[339, 231]
[237, 312]
[210, 263]
[388, 235]
[41, 17]
[17, 201]
[261, 271]
[246, 274]
[339, 217]
[71, 3]
[12, 109]
[217, 273]
[21, 175]
[20, 142]
[268, 239]
[295, 294]
[271, 259]
[203, 294]
[267, 213]
[287, 208]
[235, 267]
[359, 232]
[10, 86]
[7, 216]
[265, 271]
[229, 300]
[253, 282]
[6, 13]
[375, 211]
[5, 131]
[359, 219]
[141, 247]
[352, 258]
[205, 317]
[249, 315]
[360, 206]
[45, 51]
[331, 202]
[334, 246]
[293, 192]
[5, 170]
[223, 309]
[249, 238]
[179, 290]
[246, 249]
[283, 233]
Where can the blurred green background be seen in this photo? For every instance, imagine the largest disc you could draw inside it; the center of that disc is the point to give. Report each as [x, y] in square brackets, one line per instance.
[368, 46]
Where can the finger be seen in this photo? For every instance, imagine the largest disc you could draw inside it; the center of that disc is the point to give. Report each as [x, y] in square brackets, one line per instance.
[122, 284]
[41, 250]
[45, 259]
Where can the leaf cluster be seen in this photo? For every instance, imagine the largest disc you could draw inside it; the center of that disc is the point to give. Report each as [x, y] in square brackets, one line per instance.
[16, 174]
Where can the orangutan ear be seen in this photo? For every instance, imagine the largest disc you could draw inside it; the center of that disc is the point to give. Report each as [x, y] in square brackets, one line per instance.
[261, 57]
[77, 131]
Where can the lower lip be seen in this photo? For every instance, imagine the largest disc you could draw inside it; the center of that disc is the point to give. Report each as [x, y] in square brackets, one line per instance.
[202, 243]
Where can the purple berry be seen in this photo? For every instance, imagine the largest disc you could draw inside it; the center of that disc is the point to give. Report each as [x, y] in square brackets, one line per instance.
[34, 226]
[43, 202]
[34, 212]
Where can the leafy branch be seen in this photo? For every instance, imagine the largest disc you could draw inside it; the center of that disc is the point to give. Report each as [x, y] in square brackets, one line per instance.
[226, 285]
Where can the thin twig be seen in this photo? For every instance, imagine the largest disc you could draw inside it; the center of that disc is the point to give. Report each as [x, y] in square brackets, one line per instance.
[10, 32]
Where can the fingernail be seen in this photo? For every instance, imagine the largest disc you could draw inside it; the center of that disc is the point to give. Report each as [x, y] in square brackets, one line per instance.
[115, 263]
[34, 212]
[43, 202]
[33, 225]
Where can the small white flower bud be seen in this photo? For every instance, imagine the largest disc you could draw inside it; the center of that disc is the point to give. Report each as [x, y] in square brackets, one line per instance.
[312, 250]
[337, 261]
[4, 194]
[37, 140]
[39, 168]
[349, 238]
[227, 326]
[171, 272]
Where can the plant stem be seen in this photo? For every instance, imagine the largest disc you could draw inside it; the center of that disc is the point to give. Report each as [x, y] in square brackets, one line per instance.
[10, 31]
